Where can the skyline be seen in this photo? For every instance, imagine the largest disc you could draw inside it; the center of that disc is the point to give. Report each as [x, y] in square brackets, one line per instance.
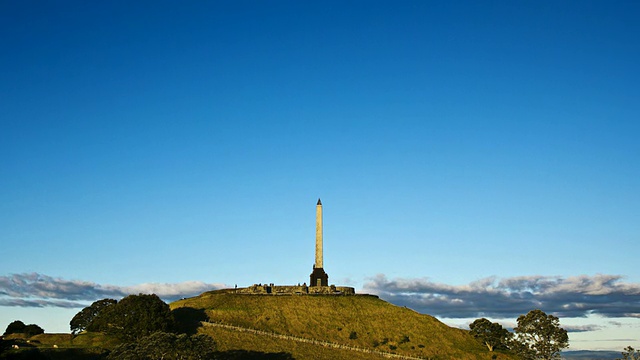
[471, 158]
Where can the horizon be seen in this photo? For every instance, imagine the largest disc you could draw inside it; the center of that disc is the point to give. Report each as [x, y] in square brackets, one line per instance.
[473, 159]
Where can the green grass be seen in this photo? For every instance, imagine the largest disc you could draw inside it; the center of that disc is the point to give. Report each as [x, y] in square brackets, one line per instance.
[86, 346]
[359, 321]
[269, 348]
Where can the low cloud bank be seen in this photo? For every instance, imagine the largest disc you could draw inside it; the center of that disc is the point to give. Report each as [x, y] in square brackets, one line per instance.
[38, 290]
[578, 296]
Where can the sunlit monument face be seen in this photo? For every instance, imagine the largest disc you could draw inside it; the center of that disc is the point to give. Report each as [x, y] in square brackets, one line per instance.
[318, 276]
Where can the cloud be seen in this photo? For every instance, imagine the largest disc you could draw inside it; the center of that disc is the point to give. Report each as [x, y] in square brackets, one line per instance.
[41, 303]
[38, 290]
[577, 296]
[581, 328]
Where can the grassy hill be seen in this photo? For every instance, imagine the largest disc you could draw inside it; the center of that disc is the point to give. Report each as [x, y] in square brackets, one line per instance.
[285, 328]
[86, 346]
[362, 322]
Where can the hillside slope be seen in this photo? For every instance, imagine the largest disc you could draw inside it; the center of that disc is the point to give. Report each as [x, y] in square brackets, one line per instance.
[354, 321]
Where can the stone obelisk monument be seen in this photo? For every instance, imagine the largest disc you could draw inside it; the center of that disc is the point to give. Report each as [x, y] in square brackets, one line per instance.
[318, 276]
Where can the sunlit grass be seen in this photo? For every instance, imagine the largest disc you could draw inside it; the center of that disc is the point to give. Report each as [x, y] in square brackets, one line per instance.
[358, 321]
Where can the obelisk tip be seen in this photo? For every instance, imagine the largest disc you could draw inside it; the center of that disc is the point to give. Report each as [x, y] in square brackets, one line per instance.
[319, 202]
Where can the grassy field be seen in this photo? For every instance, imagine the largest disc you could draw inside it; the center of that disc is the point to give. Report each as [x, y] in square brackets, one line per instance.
[230, 341]
[87, 346]
[357, 321]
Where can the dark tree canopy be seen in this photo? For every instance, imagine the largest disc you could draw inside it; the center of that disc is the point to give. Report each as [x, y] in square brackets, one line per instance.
[84, 319]
[166, 346]
[492, 335]
[539, 336]
[134, 317]
[18, 327]
[33, 329]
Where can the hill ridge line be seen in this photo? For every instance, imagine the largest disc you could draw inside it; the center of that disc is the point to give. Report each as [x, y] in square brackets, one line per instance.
[311, 341]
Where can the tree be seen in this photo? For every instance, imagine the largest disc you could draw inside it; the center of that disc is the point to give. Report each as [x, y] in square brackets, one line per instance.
[630, 354]
[16, 327]
[134, 317]
[32, 330]
[539, 336]
[166, 346]
[84, 319]
[492, 335]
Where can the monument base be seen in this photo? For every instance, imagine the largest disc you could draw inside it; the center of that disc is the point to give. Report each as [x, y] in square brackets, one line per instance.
[319, 277]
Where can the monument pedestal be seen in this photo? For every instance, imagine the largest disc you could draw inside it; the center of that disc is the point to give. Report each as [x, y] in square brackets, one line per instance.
[319, 277]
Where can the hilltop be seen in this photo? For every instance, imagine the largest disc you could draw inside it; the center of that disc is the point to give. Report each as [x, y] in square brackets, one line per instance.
[326, 326]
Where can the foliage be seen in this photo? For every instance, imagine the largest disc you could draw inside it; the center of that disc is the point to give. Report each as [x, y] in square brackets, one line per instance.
[162, 345]
[134, 317]
[188, 320]
[539, 336]
[32, 330]
[491, 334]
[630, 354]
[84, 319]
[18, 327]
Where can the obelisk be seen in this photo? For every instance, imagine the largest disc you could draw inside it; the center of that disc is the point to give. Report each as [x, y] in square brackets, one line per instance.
[318, 263]
[318, 276]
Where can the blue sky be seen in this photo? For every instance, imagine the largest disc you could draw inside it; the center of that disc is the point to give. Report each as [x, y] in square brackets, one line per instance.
[459, 148]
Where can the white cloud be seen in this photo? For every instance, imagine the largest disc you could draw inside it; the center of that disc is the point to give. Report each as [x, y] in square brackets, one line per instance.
[576, 296]
[39, 290]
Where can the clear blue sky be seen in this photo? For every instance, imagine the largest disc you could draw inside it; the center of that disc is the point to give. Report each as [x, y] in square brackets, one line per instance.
[450, 142]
